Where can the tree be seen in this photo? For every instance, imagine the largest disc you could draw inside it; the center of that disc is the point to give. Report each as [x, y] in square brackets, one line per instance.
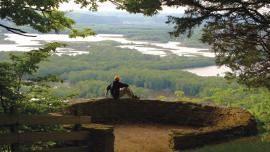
[23, 93]
[237, 30]
[45, 16]
[17, 83]
[42, 16]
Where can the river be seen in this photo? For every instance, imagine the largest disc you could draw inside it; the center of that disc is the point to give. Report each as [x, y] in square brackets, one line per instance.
[21, 43]
[209, 71]
[161, 49]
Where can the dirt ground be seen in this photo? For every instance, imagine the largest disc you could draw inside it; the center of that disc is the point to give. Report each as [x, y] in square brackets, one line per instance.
[143, 137]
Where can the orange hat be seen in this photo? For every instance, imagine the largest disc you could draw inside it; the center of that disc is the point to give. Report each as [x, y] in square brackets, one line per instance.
[117, 78]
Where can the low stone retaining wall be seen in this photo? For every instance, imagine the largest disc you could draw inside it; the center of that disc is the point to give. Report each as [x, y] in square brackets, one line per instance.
[102, 137]
[215, 124]
[227, 124]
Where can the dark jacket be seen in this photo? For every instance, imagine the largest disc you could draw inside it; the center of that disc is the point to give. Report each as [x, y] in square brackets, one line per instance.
[114, 88]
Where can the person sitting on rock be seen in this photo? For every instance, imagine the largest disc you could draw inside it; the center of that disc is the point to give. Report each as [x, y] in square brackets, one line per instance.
[119, 89]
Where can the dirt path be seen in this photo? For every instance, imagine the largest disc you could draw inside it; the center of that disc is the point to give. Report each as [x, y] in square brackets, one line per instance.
[142, 137]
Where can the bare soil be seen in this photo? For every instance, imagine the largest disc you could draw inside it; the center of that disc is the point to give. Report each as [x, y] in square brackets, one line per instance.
[143, 137]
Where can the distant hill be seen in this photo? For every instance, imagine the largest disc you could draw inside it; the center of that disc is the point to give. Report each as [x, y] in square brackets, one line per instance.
[87, 18]
[84, 17]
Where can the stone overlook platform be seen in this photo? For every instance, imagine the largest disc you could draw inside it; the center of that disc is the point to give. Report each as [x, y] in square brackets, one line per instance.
[210, 124]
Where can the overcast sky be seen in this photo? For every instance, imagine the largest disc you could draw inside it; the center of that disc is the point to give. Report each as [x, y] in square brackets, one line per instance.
[107, 7]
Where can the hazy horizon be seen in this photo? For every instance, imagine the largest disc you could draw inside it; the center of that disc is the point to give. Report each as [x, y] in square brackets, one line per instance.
[109, 7]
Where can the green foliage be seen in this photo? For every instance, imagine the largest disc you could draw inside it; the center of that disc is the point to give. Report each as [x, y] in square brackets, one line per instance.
[162, 98]
[17, 84]
[143, 71]
[75, 33]
[42, 16]
[243, 48]
[238, 32]
[21, 92]
[62, 90]
[250, 146]
[147, 7]
[257, 101]
[91, 88]
[179, 94]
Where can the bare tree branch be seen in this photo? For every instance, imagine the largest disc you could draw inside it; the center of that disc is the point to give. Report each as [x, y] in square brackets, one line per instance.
[16, 31]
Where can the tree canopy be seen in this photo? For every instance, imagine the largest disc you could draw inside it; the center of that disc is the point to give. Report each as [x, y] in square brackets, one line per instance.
[43, 16]
[17, 75]
[237, 30]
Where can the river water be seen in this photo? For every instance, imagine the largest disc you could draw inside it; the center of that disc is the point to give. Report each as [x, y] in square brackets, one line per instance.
[161, 49]
[21, 43]
[209, 71]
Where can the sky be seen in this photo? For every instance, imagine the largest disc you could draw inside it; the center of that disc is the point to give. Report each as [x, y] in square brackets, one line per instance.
[108, 7]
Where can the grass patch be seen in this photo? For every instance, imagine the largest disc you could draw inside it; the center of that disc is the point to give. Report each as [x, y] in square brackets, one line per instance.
[258, 146]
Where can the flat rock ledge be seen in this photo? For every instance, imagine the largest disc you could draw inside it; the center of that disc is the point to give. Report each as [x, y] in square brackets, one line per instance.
[213, 124]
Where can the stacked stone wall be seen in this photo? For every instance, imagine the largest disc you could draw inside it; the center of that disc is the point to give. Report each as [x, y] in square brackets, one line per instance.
[215, 124]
